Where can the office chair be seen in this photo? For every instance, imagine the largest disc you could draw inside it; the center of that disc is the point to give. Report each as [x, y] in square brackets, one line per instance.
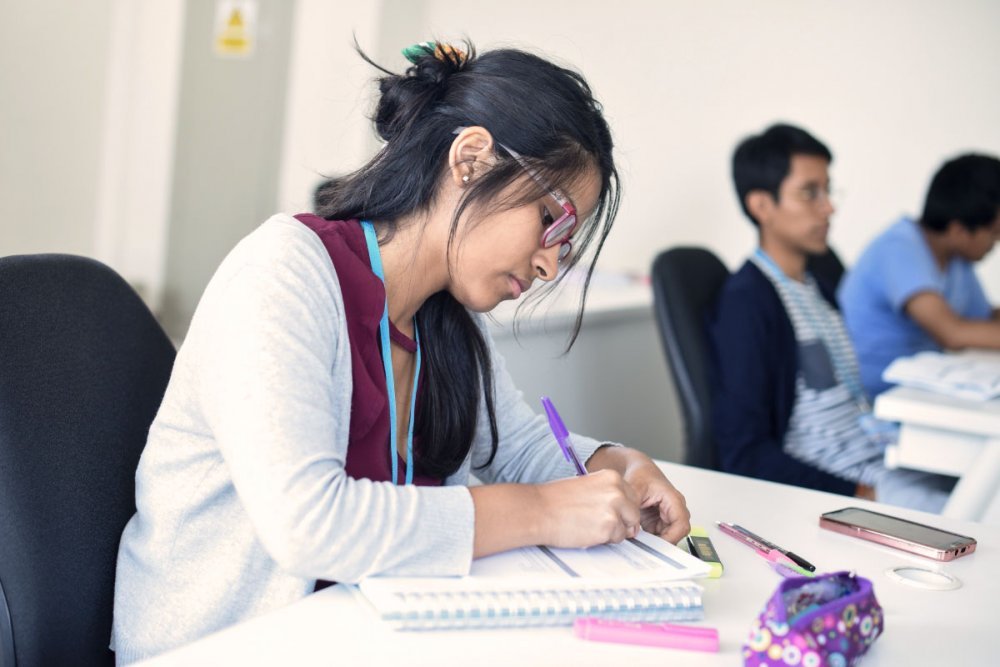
[83, 367]
[686, 282]
[826, 268]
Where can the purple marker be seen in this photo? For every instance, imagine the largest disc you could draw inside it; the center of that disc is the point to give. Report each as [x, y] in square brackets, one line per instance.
[562, 436]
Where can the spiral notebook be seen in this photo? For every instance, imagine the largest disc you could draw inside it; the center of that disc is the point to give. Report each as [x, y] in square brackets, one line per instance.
[640, 579]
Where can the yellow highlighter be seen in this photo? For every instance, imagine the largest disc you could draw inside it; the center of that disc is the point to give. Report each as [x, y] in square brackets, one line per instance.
[701, 548]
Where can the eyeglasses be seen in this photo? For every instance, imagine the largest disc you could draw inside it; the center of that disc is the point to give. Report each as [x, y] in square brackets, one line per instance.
[559, 231]
[814, 194]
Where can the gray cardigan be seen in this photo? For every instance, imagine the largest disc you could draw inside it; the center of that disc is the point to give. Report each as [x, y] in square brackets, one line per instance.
[241, 494]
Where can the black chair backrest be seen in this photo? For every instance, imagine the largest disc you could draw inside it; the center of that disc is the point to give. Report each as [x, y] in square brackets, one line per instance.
[83, 368]
[827, 268]
[686, 282]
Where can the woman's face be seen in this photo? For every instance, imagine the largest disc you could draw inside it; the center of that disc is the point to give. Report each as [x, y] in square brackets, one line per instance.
[500, 255]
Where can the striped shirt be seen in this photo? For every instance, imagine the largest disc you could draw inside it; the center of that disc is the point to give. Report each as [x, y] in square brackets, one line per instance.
[825, 427]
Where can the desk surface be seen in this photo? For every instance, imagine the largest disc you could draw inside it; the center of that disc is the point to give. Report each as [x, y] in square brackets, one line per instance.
[934, 410]
[921, 627]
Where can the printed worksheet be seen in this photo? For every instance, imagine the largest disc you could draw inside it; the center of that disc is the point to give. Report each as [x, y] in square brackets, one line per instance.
[643, 558]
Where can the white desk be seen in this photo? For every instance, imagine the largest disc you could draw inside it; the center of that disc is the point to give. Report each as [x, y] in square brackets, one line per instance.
[921, 627]
[952, 436]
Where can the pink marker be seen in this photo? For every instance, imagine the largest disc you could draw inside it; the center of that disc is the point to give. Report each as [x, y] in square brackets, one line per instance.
[665, 635]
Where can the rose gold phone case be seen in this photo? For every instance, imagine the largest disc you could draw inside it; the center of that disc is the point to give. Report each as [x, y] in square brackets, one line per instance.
[852, 530]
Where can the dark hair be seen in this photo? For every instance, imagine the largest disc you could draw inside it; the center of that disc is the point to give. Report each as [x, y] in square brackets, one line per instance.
[762, 162]
[544, 112]
[966, 189]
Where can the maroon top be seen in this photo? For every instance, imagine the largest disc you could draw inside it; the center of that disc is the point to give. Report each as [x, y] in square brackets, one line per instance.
[364, 300]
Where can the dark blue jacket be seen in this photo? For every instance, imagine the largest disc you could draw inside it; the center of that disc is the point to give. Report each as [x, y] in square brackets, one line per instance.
[755, 363]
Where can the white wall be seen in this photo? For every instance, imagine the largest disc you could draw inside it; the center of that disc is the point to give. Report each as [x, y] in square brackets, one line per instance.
[87, 109]
[53, 59]
[326, 129]
[136, 157]
[893, 87]
[89, 93]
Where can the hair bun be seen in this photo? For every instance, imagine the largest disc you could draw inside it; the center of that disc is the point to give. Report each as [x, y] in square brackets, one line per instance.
[405, 96]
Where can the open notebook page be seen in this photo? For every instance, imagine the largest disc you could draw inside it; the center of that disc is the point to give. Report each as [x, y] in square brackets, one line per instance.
[643, 559]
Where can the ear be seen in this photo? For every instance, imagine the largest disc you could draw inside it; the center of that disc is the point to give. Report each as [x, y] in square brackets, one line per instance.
[471, 151]
[761, 205]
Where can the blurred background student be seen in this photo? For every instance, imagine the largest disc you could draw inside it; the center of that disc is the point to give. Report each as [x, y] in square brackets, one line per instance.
[915, 287]
[787, 402]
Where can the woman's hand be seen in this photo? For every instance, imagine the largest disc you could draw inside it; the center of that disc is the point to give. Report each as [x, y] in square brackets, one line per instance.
[576, 512]
[624, 490]
[663, 510]
[593, 509]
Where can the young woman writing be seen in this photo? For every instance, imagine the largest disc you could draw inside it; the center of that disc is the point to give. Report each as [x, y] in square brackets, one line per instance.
[337, 384]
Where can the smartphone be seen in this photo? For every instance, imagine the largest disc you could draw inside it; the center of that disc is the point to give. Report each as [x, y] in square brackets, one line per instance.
[892, 531]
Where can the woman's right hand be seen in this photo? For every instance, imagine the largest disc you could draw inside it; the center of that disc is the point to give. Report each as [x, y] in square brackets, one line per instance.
[592, 509]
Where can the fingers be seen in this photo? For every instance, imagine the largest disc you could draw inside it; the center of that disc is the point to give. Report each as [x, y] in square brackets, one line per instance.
[631, 493]
[676, 515]
[677, 530]
[622, 505]
[665, 512]
[662, 509]
[589, 510]
[603, 507]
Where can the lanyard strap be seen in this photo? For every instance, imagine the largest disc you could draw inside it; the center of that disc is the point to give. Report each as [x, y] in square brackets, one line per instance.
[841, 365]
[375, 257]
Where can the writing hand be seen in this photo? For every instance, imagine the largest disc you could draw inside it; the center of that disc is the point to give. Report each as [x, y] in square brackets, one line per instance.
[595, 509]
[663, 510]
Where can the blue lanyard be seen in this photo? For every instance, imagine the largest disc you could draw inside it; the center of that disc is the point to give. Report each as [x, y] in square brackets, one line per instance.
[376, 261]
[841, 365]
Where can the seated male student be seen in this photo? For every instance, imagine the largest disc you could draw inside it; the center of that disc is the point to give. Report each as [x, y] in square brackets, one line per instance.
[787, 400]
[914, 288]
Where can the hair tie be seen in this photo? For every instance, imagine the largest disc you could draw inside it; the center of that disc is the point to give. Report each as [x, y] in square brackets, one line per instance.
[443, 52]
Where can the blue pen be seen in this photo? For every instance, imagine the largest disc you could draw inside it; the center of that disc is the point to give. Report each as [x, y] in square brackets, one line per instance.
[562, 436]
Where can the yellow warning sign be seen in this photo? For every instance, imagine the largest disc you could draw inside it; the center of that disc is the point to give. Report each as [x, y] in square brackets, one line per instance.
[235, 27]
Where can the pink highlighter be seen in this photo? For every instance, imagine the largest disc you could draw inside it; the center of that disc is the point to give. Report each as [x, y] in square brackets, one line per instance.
[665, 635]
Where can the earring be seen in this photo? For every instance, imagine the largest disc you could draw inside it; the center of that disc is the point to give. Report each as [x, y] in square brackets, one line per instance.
[465, 178]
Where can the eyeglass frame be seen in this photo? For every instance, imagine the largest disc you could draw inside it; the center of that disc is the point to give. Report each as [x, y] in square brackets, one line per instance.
[565, 224]
[815, 194]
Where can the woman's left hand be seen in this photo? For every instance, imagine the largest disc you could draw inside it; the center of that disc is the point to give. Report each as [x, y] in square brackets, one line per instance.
[663, 510]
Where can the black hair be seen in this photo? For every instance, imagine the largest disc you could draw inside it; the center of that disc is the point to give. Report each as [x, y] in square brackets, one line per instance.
[545, 113]
[319, 193]
[966, 189]
[762, 161]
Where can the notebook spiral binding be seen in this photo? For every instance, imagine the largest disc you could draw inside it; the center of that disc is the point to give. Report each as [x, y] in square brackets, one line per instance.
[461, 609]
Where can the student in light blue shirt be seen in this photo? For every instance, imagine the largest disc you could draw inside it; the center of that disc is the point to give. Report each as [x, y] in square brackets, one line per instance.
[914, 288]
